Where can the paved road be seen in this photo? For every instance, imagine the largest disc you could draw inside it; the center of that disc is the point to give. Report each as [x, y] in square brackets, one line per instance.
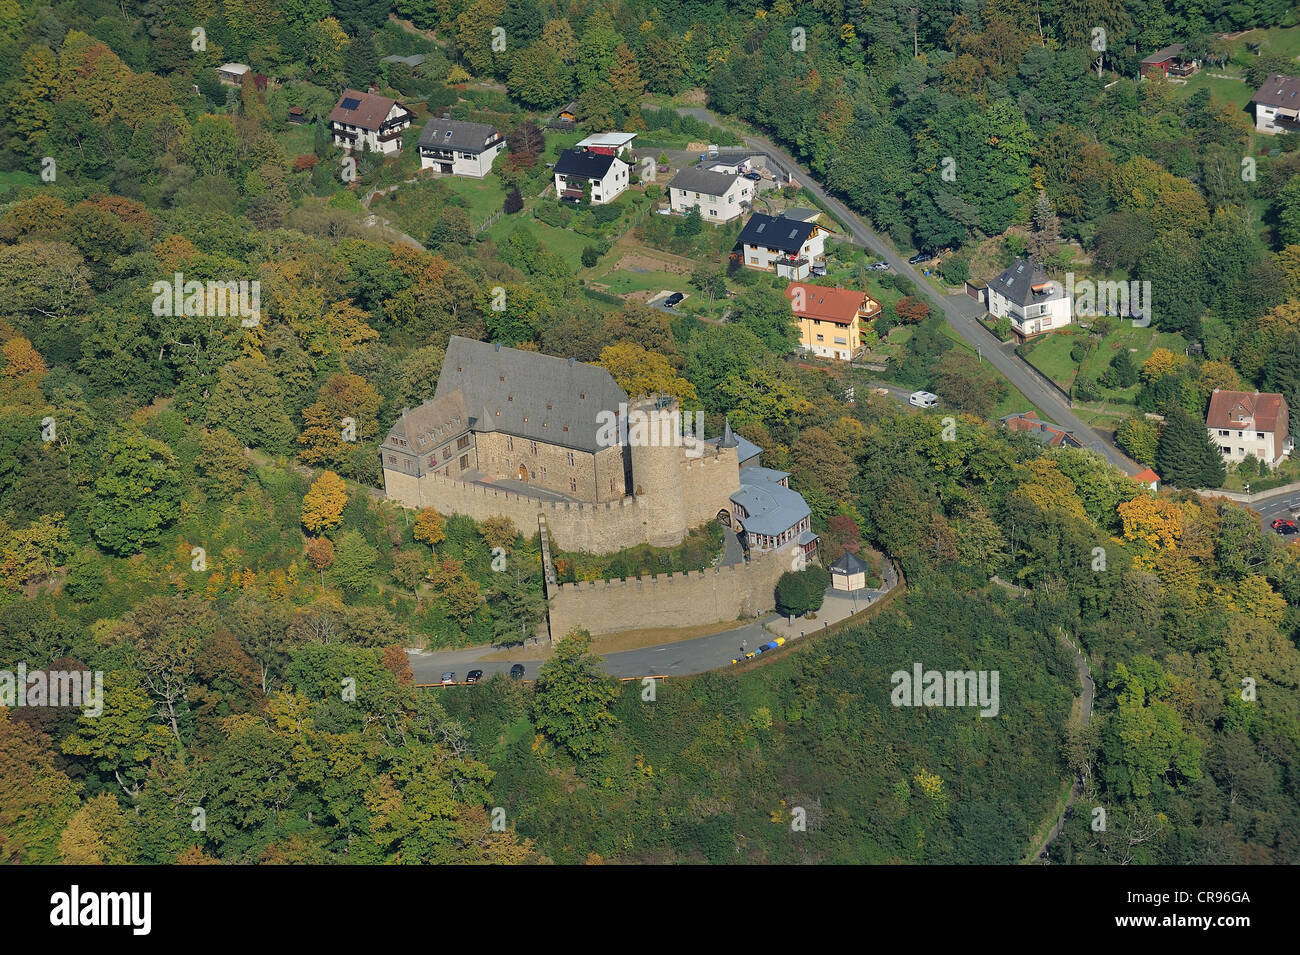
[961, 311]
[671, 659]
[681, 658]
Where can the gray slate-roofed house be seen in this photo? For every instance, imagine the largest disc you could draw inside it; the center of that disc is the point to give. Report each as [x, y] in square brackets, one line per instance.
[1032, 301]
[1277, 104]
[453, 147]
[768, 514]
[720, 196]
[414, 60]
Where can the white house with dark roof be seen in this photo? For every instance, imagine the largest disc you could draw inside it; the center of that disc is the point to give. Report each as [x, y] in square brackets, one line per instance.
[607, 173]
[1277, 105]
[455, 148]
[367, 121]
[720, 197]
[1033, 302]
[785, 246]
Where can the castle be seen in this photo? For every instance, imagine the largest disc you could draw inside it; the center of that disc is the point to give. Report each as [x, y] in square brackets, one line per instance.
[518, 434]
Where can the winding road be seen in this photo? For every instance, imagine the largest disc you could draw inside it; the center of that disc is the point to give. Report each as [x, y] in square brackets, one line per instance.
[961, 311]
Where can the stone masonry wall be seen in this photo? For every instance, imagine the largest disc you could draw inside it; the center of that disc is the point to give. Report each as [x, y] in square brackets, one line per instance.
[669, 600]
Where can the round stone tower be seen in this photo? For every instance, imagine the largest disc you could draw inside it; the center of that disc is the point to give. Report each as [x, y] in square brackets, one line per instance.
[655, 448]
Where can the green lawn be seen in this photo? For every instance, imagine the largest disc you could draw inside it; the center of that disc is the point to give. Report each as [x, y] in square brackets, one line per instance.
[483, 197]
[17, 177]
[1236, 92]
[623, 281]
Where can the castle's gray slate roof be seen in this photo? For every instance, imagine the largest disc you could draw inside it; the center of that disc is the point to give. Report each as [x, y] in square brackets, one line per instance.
[746, 450]
[1017, 283]
[527, 394]
[435, 421]
[772, 508]
[694, 179]
[455, 134]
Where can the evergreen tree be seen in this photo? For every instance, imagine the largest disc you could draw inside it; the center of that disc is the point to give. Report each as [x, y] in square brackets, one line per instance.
[1185, 456]
[361, 61]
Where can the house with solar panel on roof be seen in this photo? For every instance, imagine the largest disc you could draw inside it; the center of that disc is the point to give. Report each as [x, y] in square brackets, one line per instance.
[792, 248]
[451, 147]
[1033, 302]
[369, 122]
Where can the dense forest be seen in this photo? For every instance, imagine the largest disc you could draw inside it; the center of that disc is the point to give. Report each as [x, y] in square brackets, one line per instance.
[180, 511]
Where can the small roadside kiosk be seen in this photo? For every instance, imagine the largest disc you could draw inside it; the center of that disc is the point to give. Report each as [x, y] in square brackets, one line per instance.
[848, 573]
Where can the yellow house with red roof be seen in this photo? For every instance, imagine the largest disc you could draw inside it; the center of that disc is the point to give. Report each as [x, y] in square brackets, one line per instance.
[830, 319]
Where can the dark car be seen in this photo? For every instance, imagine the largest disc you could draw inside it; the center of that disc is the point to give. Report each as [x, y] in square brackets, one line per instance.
[1284, 526]
[753, 176]
[919, 258]
[673, 299]
[517, 671]
[473, 676]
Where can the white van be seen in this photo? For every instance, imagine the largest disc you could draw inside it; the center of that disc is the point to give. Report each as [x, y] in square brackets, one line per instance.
[922, 399]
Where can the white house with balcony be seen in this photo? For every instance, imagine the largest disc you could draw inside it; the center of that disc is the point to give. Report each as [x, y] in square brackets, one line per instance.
[1277, 105]
[369, 122]
[720, 197]
[1033, 302]
[607, 173]
[788, 247]
[454, 148]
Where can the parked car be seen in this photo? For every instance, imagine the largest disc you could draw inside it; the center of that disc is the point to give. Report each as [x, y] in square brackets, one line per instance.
[517, 671]
[922, 399]
[919, 258]
[1285, 527]
[673, 299]
[473, 676]
[753, 176]
[881, 266]
[448, 678]
[883, 392]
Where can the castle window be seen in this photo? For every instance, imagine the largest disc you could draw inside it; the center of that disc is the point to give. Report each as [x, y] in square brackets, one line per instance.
[421, 439]
[543, 475]
[462, 442]
[510, 397]
[573, 485]
[464, 462]
[548, 407]
[566, 427]
[433, 462]
[582, 394]
[503, 377]
[532, 446]
[570, 459]
[392, 459]
[510, 443]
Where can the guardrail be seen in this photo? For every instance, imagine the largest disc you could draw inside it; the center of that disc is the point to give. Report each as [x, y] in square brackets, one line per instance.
[622, 679]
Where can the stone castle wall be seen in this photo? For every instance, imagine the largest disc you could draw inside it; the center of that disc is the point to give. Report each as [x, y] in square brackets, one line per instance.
[669, 600]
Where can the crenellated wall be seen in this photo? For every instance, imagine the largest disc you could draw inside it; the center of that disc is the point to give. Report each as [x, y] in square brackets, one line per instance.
[669, 600]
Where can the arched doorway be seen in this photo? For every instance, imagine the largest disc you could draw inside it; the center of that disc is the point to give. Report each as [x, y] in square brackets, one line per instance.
[724, 517]
[523, 473]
